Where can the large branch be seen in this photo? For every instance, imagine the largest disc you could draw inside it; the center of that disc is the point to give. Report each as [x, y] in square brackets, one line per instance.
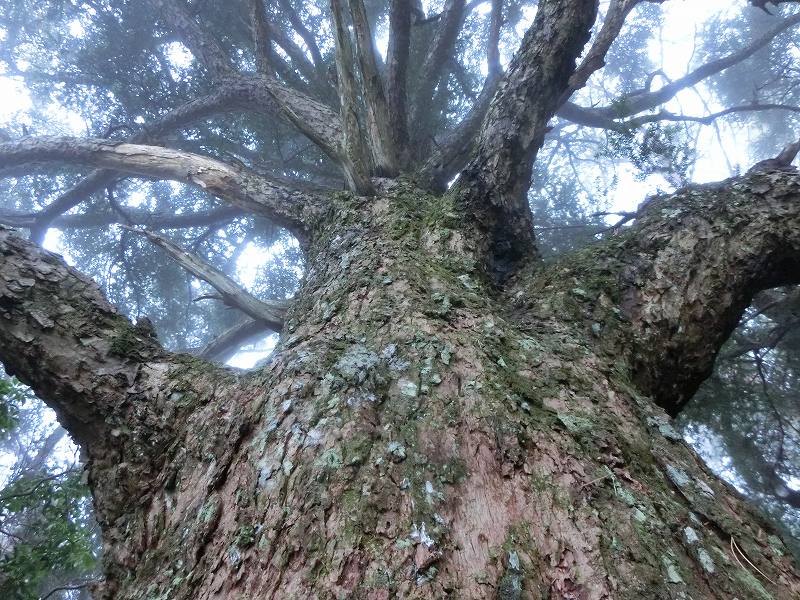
[270, 313]
[111, 384]
[397, 72]
[669, 290]
[294, 209]
[379, 128]
[232, 96]
[493, 186]
[354, 157]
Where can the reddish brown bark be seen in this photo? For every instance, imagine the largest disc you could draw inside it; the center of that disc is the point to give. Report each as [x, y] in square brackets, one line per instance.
[415, 434]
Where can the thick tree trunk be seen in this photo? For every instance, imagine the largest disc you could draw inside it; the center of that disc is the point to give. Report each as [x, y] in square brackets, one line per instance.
[417, 433]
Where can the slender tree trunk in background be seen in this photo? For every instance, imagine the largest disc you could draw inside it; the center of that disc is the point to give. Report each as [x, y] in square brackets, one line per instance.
[418, 433]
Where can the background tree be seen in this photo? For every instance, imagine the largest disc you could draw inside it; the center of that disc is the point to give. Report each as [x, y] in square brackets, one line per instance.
[433, 370]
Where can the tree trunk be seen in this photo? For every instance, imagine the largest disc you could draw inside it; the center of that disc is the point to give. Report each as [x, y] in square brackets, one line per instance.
[418, 433]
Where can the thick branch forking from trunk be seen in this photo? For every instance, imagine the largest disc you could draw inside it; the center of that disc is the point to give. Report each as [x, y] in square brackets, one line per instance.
[397, 72]
[270, 313]
[493, 187]
[241, 187]
[232, 96]
[682, 276]
[379, 128]
[354, 154]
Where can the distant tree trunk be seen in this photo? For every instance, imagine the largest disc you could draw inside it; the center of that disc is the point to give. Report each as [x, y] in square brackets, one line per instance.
[418, 433]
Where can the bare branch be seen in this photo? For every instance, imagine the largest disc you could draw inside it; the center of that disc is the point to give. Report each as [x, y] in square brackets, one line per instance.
[304, 33]
[270, 313]
[454, 151]
[153, 220]
[594, 59]
[493, 44]
[434, 65]
[379, 129]
[646, 99]
[233, 96]
[240, 186]
[224, 346]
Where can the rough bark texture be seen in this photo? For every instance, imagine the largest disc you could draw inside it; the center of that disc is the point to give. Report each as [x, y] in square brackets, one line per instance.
[416, 433]
[445, 416]
[493, 186]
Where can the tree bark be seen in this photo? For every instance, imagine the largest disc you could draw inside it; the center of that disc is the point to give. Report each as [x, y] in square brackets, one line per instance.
[417, 433]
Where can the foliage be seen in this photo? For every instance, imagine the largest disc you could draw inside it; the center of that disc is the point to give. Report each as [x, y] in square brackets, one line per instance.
[48, 533]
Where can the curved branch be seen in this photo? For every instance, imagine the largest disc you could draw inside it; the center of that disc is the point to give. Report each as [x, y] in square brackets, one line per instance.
[270, 313]
[670, 289]
[241, 187]
[110, 383]
[233, 96]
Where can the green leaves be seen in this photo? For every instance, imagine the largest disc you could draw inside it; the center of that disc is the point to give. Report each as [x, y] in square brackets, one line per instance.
[47, 533]
[12, 396]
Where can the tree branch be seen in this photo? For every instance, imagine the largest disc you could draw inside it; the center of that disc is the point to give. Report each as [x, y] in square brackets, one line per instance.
[270, 313]
[645, 100]
[682, 276]
[379, 129]
[594, 60]
[241, 187]
[304, 33]
[493, 186]
[261, 36]
[198, 39]
[108, 384]
[224, 346]
[233, 96]
[434, 65]
[397, 72]
[355, 156]
[454, 151]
